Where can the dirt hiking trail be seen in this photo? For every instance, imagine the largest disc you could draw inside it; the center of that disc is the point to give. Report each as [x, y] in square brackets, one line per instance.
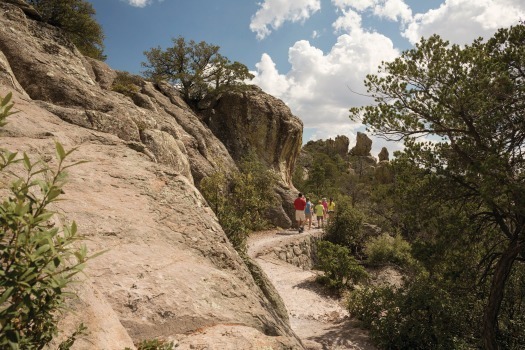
[321, 321]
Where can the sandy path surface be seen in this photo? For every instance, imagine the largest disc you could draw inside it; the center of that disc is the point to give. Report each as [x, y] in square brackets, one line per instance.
[319, 320]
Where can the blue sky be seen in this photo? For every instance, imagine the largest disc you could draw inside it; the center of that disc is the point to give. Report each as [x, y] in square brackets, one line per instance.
[310, 53]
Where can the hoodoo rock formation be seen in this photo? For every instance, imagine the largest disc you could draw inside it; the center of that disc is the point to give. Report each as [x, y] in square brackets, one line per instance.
[362, 147]
[169, 270]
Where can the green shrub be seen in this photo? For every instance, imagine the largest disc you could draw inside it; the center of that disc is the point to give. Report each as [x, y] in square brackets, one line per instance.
[418, 316]
[346, 226]
[126, 83]
[37, 259]
[385, 249]
[76, 19]
[340, 268]
[241, 202]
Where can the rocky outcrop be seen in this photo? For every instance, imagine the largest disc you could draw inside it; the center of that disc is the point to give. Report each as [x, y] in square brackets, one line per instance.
[383, 155]
[362, 147]
[168, 270]
[252, 121]
[49, 68]
[338, 146]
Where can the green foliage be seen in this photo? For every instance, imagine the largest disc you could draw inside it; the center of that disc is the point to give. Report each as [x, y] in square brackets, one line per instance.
[242, 200]
[341, 269]
[126, 83]
[512, 320]
[196, 68]
[76, 18]
[421, 315]
[37, 259]
[327, 173]
[462, 195]
[385, 249]
[346, 226]
[5, 108]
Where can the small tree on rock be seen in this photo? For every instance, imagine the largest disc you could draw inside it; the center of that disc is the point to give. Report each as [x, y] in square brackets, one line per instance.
[195, 68]
[76, 19]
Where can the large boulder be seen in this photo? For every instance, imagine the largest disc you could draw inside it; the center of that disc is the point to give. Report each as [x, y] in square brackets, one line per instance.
[168, 269]
[253, 121]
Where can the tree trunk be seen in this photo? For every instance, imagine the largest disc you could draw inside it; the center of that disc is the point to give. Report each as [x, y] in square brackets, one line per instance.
[501, 274]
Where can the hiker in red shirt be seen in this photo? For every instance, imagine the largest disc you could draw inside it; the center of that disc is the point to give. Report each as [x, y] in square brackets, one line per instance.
[299, 205]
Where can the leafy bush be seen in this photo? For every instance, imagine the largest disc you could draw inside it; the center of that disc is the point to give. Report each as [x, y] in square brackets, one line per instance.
[340, 268]
[386, 249]
[37, 259]
[242, 201]
[345, 227]
[418, 316]
[126, 83]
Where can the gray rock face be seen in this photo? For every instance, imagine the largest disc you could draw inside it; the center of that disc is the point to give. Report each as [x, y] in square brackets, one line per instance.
[253, 121]
[169, 270]
[51, 69]
[362, 147]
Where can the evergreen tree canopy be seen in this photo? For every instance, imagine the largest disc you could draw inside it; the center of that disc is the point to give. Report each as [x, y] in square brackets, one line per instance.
[196, 68]
[471, 102]
[75, 17]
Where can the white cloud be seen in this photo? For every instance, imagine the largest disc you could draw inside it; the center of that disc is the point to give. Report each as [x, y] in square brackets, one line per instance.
[358, 5]
[348, 22]
[268, 78]
[273, 13]
[139, 3]
[462, 21]
[394, 10]
[321, 87]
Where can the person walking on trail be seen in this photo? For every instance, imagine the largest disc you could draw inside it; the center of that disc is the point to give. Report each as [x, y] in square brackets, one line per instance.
[325, 205]
[308, 213]
[331, 209]
[299, 205]
[319, 213]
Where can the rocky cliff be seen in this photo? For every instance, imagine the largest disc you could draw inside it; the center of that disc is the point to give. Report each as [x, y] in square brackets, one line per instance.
[252, 121]
[169, 270]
